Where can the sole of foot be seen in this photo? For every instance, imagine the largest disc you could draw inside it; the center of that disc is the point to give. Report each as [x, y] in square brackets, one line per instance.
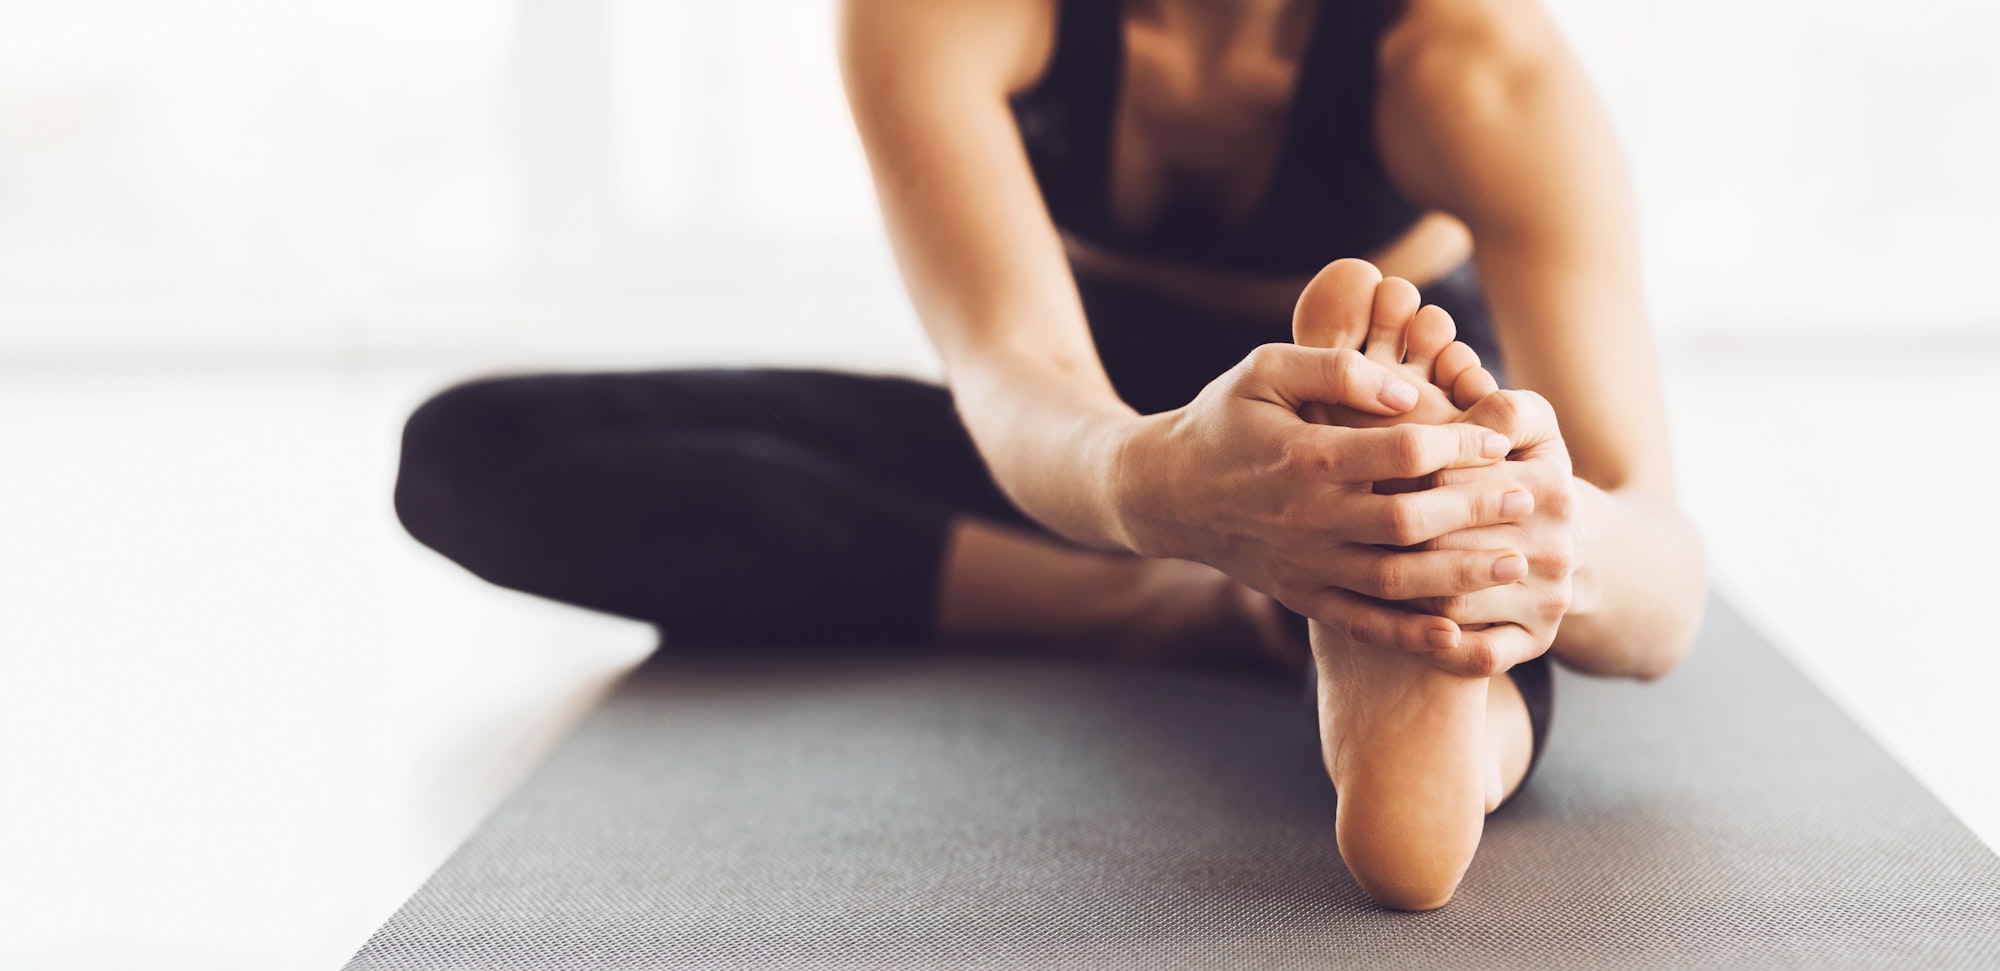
[1415, 753]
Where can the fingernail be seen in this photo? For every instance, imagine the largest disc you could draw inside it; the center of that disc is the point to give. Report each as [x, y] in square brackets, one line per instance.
[1442, 640]
[1398, 395]
[1514, 505]
[1508, 569]
[1495, 446]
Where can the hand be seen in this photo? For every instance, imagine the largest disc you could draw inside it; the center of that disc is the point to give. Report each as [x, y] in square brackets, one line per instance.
[1507, 624]
[1237, 480]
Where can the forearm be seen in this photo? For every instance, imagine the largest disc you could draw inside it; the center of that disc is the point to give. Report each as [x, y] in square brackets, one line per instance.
[1051, 431]
[1639, 586]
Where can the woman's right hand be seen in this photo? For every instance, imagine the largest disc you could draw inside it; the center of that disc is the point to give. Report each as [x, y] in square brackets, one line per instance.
[1237, 480]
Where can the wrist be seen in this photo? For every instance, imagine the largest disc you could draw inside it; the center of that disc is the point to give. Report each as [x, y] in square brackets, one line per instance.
[1638, 588]
[1594, 510]
[1133, 482]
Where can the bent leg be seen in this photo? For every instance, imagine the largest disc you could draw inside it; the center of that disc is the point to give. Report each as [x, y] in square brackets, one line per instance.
[785, 506]
[724, 506]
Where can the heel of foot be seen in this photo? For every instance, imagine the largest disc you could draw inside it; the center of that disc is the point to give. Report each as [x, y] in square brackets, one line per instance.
[1405, 866]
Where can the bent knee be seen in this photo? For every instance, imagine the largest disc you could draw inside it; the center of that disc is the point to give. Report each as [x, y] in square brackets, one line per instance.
[473, 414]
[456, 444]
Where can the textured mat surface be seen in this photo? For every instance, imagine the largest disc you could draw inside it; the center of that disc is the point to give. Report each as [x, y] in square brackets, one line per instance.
[1004, 813]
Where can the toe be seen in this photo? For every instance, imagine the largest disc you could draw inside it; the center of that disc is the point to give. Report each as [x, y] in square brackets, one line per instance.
[1452, 362]
[1333, 310]
[1430, 334]
[1472, 385]
[1396, 303]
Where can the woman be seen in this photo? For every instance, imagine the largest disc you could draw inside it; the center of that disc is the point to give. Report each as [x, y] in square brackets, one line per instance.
[1106, 214]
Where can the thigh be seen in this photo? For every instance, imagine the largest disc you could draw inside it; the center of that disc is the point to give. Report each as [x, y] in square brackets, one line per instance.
[904, 434]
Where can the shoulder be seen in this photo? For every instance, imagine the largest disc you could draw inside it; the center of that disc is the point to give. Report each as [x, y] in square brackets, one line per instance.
[1482, 49]
[998, 42]
[1481, 98]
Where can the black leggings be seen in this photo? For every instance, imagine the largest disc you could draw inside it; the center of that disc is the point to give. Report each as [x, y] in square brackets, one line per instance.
[774, 507]
[746, 506]
[726, 507]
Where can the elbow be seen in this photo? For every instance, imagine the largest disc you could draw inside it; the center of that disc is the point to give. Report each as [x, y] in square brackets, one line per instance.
[1685, 624]
[1645, 627]
[1664, 660]
[1678, 631]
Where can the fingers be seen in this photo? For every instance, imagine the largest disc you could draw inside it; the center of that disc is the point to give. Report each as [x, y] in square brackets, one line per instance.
[1400, 452]
[1378, 625]
[1532, 604]
[1525, 417]
[1409, 518]
[1333, 310]
[1452, 575]
[1294, 376]
[1487, 652]
[1396, 301]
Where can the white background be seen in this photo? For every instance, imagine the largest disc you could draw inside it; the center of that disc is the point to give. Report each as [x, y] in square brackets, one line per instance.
[241, 716]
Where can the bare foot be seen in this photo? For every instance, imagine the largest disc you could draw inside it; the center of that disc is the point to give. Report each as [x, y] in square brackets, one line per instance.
[1349, 304]
[1417, 755]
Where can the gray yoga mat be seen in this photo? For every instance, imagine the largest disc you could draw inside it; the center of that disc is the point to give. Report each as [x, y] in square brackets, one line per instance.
[949, 812]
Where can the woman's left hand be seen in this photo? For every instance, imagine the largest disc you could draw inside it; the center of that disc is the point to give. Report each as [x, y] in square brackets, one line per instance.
[1505, 625]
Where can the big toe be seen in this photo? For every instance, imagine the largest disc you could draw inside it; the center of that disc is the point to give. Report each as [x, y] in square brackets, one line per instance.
[1335, 308]
[1389, 320]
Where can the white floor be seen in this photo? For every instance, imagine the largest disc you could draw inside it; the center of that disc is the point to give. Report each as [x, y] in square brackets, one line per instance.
[242, 717]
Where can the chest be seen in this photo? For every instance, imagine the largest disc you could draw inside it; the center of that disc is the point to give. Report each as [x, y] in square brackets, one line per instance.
[1203, 109]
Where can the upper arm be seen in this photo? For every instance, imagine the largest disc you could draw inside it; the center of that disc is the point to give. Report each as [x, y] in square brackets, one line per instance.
[1484, 113]
[928, 84]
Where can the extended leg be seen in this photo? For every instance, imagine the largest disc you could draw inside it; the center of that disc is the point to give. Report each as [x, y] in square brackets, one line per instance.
[1418, 756]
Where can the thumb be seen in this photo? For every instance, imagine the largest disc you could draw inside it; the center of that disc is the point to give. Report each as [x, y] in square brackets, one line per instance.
[1526, 418]
[1297, 375]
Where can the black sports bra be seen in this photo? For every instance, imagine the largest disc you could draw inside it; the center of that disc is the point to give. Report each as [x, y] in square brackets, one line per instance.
[1328, 197]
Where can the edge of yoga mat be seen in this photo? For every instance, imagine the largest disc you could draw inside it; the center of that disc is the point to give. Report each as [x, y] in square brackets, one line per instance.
[923, 812]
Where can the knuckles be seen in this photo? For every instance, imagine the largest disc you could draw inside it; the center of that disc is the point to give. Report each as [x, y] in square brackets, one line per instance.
[1296, 517]
[1257, 370]
[1522, 406]
[1354, 627]
[1391, 578]
[1406, 523]
[1559, 559]
[1300, 457]
[1477, 659]
[1501, 411]
[1558, 497]
[1510, 411]
[1263, 358]
[1552, 602]
[1456, 608]
[1407, 451]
